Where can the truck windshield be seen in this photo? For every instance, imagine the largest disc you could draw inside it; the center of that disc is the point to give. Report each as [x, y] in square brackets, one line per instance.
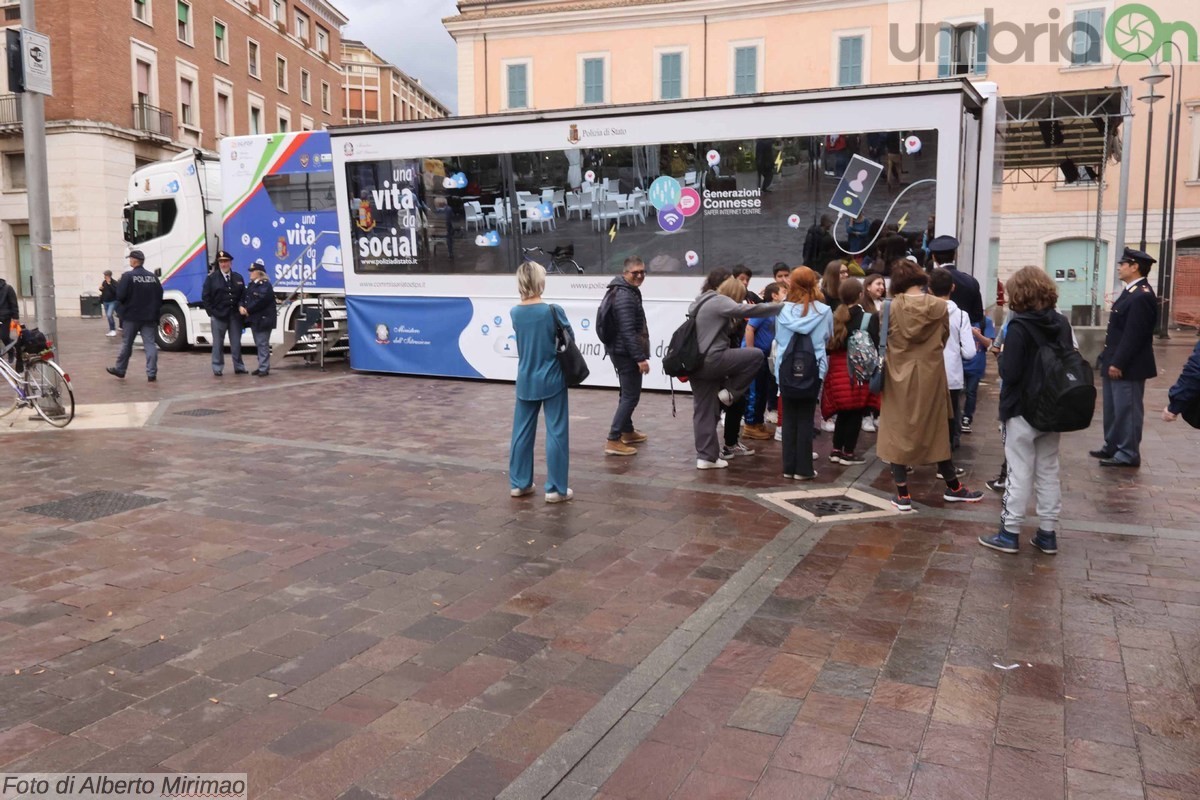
[149, 219]
[300, 191]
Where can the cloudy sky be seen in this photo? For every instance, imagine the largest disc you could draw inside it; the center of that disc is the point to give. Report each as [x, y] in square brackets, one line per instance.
[409, 33]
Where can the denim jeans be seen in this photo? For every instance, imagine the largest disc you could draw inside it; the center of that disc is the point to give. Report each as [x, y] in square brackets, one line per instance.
[631, 392]
[233, 328]
[970, 394]
[109, 308]
[131, 329]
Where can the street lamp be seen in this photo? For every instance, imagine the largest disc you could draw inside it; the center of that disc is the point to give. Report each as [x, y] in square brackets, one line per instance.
[1166, 255]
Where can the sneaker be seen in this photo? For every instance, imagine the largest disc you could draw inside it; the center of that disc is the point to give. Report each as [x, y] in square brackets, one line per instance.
[829, 424]
[965, 425]
[779, 434]
[635, 437]
[815, 455]
[902, 503]
[151, 378]
[720, 463]
[756, 432]
[835, 456]
[998, 485]
[1002, 540]
[809, 477]
[521, 492]
[958, 472]
[616, 447]
[1046, 541]
[113, 371]
[772, 417]
[111, 333]
[848, 459]
[726, 397]
[555, 497]
[738, 449]
[868, 424]
[961, 495]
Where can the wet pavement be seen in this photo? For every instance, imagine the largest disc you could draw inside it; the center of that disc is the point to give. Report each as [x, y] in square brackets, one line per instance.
[318, 579]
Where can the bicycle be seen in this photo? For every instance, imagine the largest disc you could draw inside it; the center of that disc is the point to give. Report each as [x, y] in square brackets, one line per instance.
[560, 257]
[40, 384]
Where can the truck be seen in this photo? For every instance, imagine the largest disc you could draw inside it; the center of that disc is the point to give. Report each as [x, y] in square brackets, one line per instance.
[267, 197]
[435, 215]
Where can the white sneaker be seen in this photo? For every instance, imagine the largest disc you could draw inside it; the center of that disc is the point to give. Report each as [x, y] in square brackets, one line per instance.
[720, 463]
[738, 449]
[555, 497]
[779, 434]
[111, 333]
[829, 424]
[772, 417]
[726, 397]
[868, 424]
[521, 492]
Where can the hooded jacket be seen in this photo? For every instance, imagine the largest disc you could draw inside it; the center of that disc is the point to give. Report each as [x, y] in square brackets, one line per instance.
[960, 347]
[1020, 346]
[629, 320]
[1186, 391]
[817, 323]
[714, 322]
[9, 310]
[913, 418]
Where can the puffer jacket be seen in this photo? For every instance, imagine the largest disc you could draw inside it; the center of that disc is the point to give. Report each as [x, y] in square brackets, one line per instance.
[840, 392]
[629, 319]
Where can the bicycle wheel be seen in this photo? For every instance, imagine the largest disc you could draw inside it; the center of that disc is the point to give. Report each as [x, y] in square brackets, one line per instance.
[50, 393]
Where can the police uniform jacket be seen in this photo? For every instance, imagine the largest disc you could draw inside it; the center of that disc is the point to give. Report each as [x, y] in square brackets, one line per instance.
[139, 296]
[967, 295]
[259, 302]
[1128, 343]
[222, 297]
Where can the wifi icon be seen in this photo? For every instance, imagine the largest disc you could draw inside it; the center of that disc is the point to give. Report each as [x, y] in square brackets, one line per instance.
[670, 219]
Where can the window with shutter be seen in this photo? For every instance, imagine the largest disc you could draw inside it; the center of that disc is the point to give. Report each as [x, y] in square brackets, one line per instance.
[745, 76]
[593, 80]
[671, 76]
[850, 60]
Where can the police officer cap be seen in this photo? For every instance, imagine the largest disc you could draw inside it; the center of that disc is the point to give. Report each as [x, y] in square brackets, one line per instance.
[138, 254]
[258, 266]
[1144, 260]
[223, 255]
[943, 244]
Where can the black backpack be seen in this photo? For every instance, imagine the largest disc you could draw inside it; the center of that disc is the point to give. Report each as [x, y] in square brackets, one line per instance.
[683, 356]
[799, 372]
[1059, 394]
[32, 341]
[605, 331]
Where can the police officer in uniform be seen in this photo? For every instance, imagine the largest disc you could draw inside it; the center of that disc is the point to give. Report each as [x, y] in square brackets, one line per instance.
[967, 295]
[258, 307]
[1127, 361]
[139, 302]
[222, 295]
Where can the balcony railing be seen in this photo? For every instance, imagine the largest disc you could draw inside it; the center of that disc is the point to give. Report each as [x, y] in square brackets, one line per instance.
[10, 110]
[153, 120]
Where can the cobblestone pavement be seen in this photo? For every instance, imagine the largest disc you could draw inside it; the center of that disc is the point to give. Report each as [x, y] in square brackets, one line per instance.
[318, 579]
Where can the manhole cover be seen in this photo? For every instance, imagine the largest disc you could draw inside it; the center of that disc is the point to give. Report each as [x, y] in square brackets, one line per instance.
[93, 505]
[199, 412]
[829, 506]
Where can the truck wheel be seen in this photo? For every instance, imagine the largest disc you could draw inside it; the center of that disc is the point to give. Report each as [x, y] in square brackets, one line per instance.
[172, 330]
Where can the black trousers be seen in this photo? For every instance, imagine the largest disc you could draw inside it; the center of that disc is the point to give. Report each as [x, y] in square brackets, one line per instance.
[798, 436]
[846, 430]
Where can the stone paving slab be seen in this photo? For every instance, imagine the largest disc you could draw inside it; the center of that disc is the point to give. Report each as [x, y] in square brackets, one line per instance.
[339, 599]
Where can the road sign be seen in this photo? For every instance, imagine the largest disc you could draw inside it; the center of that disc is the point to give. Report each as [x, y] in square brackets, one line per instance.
[35, 48]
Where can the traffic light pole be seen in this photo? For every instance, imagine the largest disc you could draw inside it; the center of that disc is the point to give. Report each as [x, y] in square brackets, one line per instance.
[33, 117]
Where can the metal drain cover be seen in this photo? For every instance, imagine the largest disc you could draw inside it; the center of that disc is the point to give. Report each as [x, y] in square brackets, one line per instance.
[829, 506]
[93, 505]
[200, 412]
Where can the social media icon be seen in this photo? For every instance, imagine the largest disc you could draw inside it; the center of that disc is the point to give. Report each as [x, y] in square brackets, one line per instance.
[689, 201]
[794, 221]
[691, 258]
[665, 192]
[714, 158]
[670, 220]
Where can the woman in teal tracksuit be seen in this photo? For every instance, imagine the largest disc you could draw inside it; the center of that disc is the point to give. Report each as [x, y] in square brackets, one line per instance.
[540, 384]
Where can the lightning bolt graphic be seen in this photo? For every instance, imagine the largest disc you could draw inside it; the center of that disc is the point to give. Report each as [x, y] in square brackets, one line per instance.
[612, 233]
[903, 222]
[779, 162]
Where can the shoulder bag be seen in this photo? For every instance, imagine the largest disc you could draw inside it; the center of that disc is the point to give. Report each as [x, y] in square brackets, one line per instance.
[572, 363]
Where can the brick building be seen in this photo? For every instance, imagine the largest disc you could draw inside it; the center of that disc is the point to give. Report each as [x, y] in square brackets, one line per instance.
[376, 91]
[136, 81]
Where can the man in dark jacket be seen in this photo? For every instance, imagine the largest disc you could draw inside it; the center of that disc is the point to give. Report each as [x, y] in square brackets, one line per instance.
[108, 301]
[1127, 361]
[1184, 396]
[967, 294]
[221, 296]
[9, 310]
[258, 307]
[139, 302]
[819, 248]
[630, 354]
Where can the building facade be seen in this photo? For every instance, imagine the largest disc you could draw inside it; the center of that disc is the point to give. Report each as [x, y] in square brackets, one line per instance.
[137, 81]
[536, 54]
[375, 91]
